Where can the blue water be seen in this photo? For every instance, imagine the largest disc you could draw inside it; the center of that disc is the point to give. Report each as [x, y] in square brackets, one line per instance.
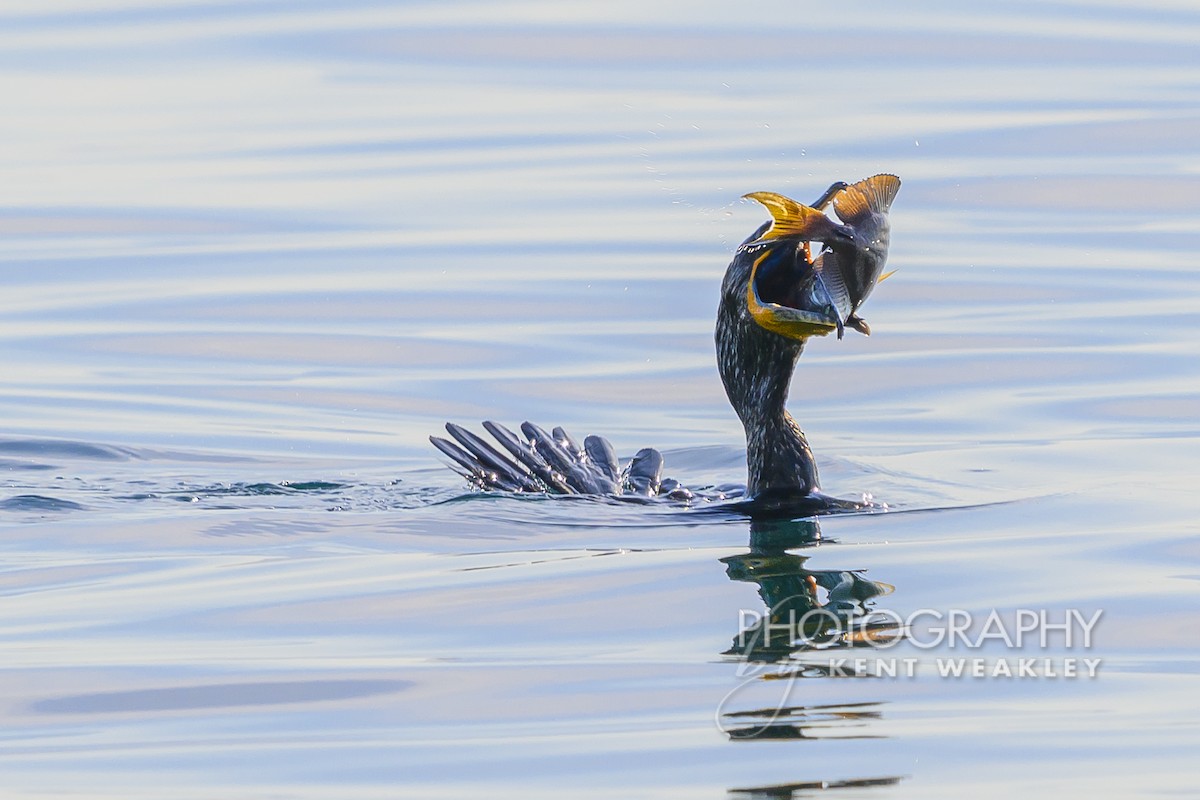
[253, 254]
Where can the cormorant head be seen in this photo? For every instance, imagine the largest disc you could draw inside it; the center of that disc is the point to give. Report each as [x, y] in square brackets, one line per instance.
[799, 289]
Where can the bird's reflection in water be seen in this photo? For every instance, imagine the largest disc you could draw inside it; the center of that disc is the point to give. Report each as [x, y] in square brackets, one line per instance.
[805, 722]
[807, 610]
[797, 791]
[812, 617]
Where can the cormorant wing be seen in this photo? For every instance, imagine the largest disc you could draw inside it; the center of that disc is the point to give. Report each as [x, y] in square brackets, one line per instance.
[545, 462]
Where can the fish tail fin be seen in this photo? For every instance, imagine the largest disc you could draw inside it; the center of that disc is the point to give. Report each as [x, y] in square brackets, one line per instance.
[789, 218]
[870, 195]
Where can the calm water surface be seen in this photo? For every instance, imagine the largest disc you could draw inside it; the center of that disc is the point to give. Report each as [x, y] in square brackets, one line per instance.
[254, 254]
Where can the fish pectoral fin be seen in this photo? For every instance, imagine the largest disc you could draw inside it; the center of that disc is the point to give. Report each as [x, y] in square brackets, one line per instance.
[789, 218]
[830, 274]
[868, 196]
[859, 324]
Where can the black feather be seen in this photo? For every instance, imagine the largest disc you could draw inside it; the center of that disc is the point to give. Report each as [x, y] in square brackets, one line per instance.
[644, 472]
[569, 444]
[521, 451]
[545, 446]
[492, 460]
[600, 451]
[562, 461]
[472, 470]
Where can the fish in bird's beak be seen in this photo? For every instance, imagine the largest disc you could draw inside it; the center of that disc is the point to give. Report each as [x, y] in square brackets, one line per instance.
[785, 293]
[850, 269]
[792, 220]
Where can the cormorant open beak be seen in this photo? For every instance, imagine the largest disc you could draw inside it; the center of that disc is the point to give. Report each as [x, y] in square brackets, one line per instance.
[786, 294]
[801, 310]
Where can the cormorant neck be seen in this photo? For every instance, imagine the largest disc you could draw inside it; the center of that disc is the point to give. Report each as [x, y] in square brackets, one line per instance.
[756, 367]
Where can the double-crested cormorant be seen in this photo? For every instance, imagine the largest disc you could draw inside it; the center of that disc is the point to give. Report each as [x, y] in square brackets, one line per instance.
[774, 296]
